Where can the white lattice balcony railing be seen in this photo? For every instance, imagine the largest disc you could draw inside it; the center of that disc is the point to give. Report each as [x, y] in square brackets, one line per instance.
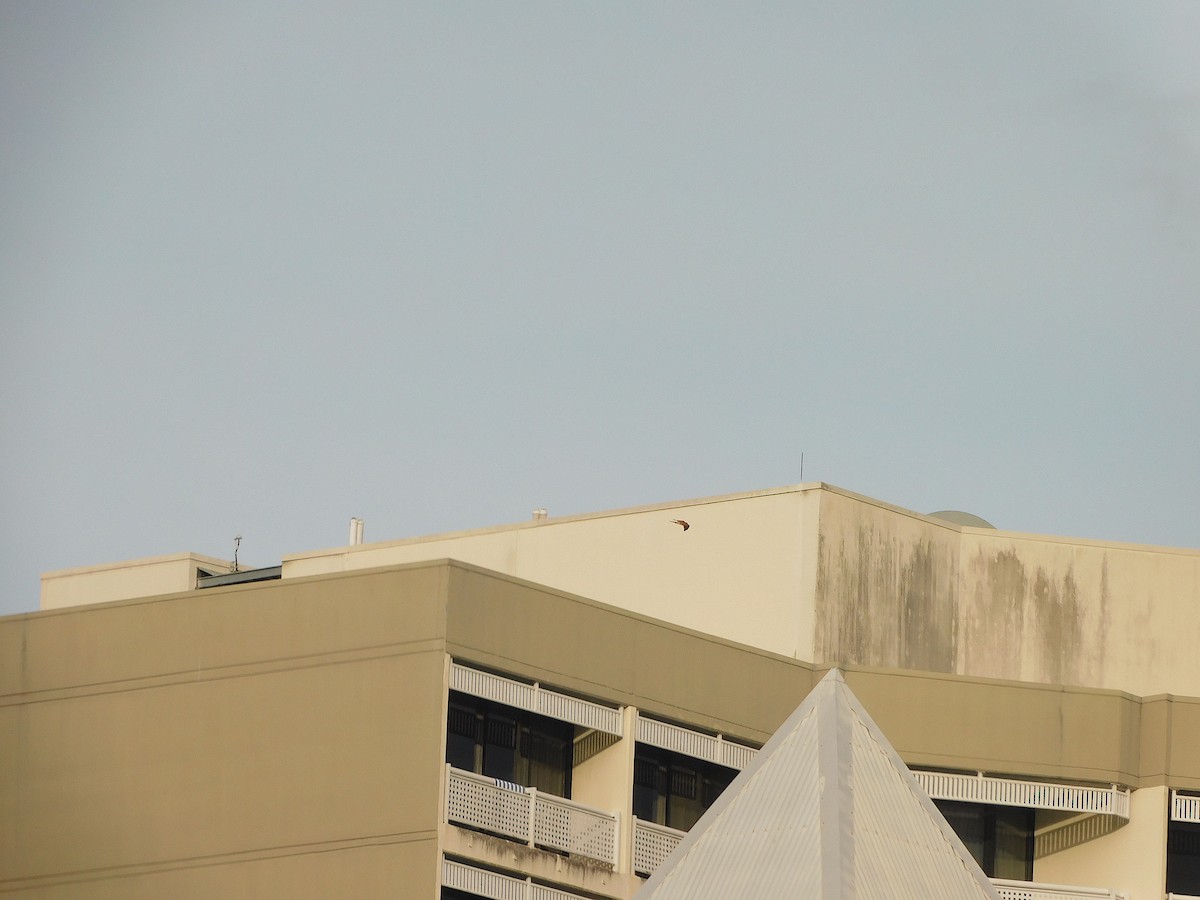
[1184, 808]
[495, 886]
[652, 844]
[1031, 890]
[694, 743]
[535, 698]
[530, 816]
[1111, 801]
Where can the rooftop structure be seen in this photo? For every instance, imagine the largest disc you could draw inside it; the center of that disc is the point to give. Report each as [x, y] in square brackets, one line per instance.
[823, 575]
[546, 709]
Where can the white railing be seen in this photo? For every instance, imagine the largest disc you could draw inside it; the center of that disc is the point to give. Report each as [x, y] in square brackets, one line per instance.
[1184, 808]
[1182, 897]
[694, 743]
[652, 844]
[530, 816]
[1110, 801]
[1031, 890]
[535, 698]
[495, 886]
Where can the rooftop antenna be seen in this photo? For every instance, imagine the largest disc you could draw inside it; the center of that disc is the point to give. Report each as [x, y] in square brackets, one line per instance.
[237, 542]
[802, 467]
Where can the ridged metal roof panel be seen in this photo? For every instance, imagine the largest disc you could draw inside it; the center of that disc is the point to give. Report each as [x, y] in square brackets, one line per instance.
[903, 847]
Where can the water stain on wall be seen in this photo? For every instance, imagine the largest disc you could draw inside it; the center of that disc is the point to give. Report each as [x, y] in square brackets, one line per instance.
[1031, 622]
[995, 619]
[928, 611]
[1056, 624]
[888, 600]
[884, 601]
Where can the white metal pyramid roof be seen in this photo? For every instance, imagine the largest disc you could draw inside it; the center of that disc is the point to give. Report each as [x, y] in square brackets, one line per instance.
[827, 811]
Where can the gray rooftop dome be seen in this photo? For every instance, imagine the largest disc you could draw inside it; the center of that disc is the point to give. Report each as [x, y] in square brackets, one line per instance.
[958, 517]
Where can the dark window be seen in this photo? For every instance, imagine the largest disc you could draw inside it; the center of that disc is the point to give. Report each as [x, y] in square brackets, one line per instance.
[509, 744]
[1183, 858]
[675, 790]
[464, 742]
[500, 749]
[999, 837]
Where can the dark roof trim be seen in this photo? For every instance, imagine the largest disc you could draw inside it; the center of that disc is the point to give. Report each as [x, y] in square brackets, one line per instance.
[248, 576]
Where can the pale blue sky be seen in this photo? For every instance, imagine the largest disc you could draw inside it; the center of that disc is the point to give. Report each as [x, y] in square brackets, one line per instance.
[265, 266]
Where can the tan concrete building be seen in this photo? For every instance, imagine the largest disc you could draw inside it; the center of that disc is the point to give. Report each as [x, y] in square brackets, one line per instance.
[542, 710]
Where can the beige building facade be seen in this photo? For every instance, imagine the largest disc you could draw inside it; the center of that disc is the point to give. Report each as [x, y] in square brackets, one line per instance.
[542, 710]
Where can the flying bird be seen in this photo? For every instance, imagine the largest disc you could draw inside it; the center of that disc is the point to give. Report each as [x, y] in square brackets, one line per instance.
[681, 523]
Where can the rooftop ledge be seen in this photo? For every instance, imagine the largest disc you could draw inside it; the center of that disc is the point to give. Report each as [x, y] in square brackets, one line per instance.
[805, 487]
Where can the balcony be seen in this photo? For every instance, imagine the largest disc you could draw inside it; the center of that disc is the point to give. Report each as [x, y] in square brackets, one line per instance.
[1184, 808]
[981, 788]
[485, 883]
[654, 843]
[533, 817]
[1031, 890]
[715, 749]
[535, 698]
